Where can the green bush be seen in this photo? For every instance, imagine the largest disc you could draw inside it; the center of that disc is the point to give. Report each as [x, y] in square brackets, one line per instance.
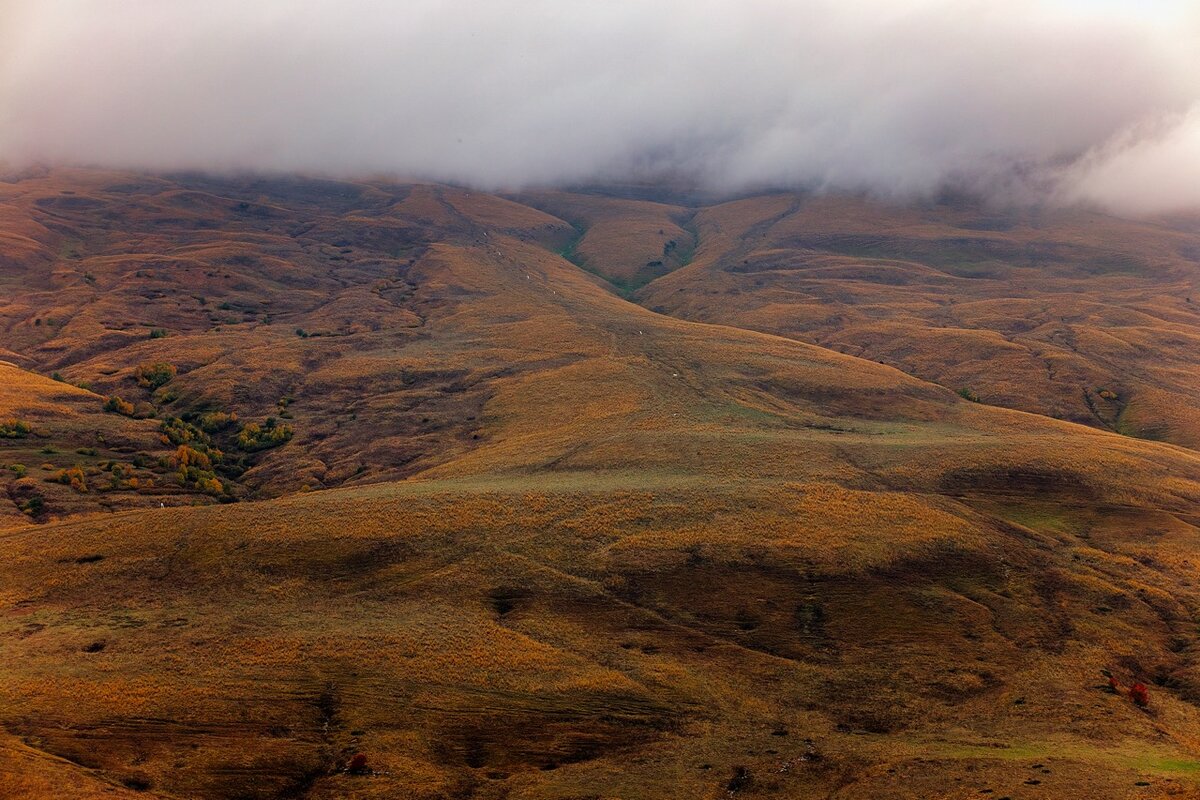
[213, 421]
[154, 375]
[177, 431]
[117, 405]
[15, 429]
[254, 437]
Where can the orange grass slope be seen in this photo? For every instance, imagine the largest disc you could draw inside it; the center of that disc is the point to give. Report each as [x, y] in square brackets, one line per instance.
[578, 634]
[1071, 314]
[630, 556]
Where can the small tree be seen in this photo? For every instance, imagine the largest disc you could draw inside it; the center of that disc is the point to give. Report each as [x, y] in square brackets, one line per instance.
[73, 477]
[34, 506]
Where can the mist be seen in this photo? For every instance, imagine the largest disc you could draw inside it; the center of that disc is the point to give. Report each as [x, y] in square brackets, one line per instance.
[1056, 100]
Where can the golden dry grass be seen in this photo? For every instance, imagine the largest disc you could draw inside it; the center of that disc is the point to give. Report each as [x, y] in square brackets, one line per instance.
[570, 547]
[1034, 311]
[645, 635]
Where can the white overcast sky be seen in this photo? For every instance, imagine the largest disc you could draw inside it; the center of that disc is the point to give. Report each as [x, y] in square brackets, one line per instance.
[1092, 100]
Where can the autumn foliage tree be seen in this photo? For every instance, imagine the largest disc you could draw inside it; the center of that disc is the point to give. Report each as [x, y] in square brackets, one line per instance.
[271, 433]
[14, 429]
[117, 405]
[73, 477]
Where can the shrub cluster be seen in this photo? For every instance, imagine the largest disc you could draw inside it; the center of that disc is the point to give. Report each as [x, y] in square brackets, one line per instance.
[122, 476]
[14, 429]
[152, 376]
[271, 433]
[195, 468]
[118, 405]
[73, 477]
[195, 459]
[177, 431]
[213, 421]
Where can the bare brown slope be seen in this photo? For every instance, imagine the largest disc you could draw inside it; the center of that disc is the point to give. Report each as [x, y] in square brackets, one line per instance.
[1073, 315]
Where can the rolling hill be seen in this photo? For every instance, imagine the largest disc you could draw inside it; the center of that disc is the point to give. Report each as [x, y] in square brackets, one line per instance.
[471, 486]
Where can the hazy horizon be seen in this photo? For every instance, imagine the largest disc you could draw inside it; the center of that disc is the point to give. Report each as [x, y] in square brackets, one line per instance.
[1056, 100]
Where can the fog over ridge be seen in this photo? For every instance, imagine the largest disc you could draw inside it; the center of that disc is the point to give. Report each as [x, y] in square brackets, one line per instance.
[1050, 99]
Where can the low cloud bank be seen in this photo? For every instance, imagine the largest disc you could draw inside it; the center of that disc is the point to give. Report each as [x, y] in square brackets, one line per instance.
[1057, 99]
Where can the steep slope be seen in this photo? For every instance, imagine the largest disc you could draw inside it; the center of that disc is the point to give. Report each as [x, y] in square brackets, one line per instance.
[627, 242]
[1069, 314]
[323, 305]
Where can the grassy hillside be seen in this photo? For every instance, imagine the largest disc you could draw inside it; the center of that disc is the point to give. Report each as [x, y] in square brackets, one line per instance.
[641, 635]
[62, 454]
[567, 546]
[1070, 314]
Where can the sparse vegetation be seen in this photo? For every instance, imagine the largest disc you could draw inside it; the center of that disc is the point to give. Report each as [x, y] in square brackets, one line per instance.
[124, 476]
[158, 333]
[165, 395]
[967, 394]
[680, 561]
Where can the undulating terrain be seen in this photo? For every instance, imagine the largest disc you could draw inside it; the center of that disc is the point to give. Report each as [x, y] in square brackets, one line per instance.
[614, 493]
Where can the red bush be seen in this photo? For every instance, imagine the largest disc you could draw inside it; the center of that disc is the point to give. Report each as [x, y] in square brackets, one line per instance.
[358, 762]
[1139, 694]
